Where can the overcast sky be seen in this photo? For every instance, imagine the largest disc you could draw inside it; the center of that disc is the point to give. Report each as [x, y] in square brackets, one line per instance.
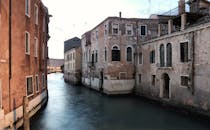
[74, 17]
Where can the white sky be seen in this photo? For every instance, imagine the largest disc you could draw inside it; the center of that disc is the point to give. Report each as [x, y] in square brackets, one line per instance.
[74, 17]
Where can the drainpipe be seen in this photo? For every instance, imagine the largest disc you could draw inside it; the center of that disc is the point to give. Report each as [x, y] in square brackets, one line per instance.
[192, 75]
[10, 51]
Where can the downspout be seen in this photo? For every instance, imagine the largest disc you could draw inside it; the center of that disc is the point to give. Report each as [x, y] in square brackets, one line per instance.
[192, 76]
[10, 51]
[135, 58]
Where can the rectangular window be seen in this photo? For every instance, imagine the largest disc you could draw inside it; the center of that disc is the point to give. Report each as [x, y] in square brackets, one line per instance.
[27, 43]
[43, 81]
[29, 85]
[129, 29]
[115, 28]
[35, 47]
[184, 52]
[184, 81]
[140, 58]
[115, 55]
[143, 30]
[36, 14]
[37, 83]
[139, 78]
[96, 34]
[96, 54]
[43, 52]
[153, 80]
[27, 7]
[105, 29]
[152, 57]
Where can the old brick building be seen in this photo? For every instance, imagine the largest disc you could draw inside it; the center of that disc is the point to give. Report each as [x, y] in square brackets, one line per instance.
[109, 53]
[175, 67]
[72, 60]
[23, 54]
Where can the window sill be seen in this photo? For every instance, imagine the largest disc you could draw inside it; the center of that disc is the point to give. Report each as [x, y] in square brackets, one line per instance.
[27, 15]
[28, 96]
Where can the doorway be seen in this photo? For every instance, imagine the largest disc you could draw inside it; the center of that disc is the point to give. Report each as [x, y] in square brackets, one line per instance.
[166, 86]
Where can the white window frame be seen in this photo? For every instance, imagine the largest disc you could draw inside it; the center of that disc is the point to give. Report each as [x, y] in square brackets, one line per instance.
[27, 12]
[37, 83]
[35, 47]
[36, 14]
[129, 29]
[117, 28]
[28, 41]
[30, 76]
[145, 30]
[132, 57]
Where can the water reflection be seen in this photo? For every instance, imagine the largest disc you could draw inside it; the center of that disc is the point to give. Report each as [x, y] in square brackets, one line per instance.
[78, 108]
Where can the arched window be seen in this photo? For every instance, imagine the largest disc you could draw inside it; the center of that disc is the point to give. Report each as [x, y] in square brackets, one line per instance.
[115, 53]
[129, 54]
[169, 55]
[162, 59]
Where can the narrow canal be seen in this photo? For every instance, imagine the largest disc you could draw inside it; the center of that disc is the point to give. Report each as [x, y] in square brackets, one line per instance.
[78, 108]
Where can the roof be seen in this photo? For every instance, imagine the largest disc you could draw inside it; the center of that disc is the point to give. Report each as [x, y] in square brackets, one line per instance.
[72, 43]
[55, 62]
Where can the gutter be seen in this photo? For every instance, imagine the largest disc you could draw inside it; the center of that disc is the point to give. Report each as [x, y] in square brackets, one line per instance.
[10, 51]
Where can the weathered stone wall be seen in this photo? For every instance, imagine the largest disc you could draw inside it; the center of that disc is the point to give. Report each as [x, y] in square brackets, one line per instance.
[22, 64]
[197, 95]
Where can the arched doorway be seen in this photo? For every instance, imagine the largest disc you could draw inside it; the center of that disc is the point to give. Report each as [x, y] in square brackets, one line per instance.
[165, 85]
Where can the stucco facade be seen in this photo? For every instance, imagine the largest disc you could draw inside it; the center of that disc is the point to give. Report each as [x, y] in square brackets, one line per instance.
[72, 61]
[106, 64]
[23, 54]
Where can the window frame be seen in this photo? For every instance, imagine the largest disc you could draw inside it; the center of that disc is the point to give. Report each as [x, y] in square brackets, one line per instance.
[27, 42]
[36, 83]
[27, 77]
[127, 29]
[118, 51]
[36, 14]
[152, 57]
[141, 30]
[131, 60]
[183, 85]
[28, 8]
[185, 58]
[113, 32]
[35, 47]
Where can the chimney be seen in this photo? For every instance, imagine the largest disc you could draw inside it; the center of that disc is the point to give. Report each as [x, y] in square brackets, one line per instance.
[120, 14]
[181, 6]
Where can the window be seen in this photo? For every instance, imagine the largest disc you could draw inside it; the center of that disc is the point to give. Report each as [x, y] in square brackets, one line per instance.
[139, 78]
[27, 7]
[36, 14]
[37, 83]
[43, 52]
[153, 80]
[122, 75]
[162, 58]
[152, 57]
[96, 54]
[129, 30]
[105, 54]
[129, 54]
[169, 55]
[184, 81]
[115, 54]
[140, 58]
[105, 29]
[43, 81]
[143, 30]
[29, 85]
[35, 47]
[96, 34]
[27, 43]
[184, 52]
[93, 58]
[115, 28]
